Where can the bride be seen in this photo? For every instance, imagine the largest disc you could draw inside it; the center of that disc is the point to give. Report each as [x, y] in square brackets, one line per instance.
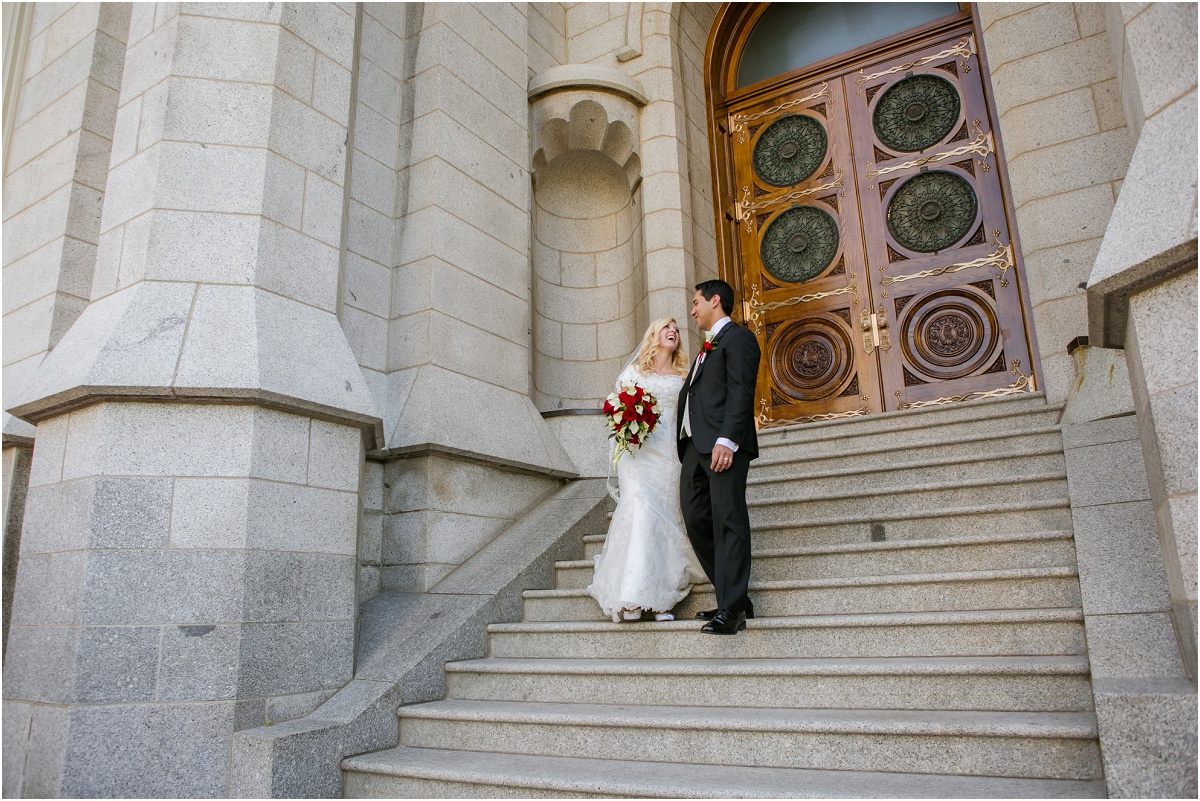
[647, 564]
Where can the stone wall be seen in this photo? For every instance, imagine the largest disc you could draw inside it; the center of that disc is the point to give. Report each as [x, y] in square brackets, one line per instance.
[1067, 146]
[188, 553]
[55, 177]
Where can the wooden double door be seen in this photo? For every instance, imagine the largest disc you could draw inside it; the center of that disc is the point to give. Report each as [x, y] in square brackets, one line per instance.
[870, 240]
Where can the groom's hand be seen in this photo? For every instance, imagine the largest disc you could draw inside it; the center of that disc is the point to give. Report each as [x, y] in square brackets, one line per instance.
[722, 458]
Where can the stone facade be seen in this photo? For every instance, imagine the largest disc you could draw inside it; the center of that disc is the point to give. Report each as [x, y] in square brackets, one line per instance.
[299, 301]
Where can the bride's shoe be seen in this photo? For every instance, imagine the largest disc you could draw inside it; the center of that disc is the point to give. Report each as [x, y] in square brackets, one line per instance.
[631, 615]
[661, 616]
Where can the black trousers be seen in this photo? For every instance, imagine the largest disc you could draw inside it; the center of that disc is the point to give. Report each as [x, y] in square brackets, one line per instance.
[718, 523]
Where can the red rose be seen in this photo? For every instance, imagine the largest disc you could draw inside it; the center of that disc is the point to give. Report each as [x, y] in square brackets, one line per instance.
[638, 392]
[629, 415]
[633, 439]
[608, 408]
[708, 347]
[625, 397]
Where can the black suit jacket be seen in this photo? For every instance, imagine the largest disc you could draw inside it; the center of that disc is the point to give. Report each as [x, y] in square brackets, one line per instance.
[720, 393]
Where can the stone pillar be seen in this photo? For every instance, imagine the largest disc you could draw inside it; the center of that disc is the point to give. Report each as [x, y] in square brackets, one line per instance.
[56, 169]
[1066, 148]
[466, 448]
[188, 552]
[1142, 297]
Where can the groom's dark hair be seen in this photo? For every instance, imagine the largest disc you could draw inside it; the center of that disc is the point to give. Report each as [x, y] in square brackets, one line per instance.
[717, 287]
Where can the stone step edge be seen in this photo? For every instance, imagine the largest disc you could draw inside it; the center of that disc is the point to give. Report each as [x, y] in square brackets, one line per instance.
[910, 489]
[939, 666]
[919, 464]
[613, 778]
[902, 722]
[766, 460]
[949, 511]
[836, 582]
[869, 547]
[911, 419]
[867, 620]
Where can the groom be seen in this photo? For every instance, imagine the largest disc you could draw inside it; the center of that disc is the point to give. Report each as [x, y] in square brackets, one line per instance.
[716, 441]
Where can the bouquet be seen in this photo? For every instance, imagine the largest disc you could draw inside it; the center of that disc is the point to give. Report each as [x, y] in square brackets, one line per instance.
[631, 414]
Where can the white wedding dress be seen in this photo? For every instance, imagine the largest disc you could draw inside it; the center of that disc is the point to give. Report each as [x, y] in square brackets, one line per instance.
[647, 561]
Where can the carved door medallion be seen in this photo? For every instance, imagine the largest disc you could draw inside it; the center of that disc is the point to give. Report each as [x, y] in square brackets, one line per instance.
[869, 235]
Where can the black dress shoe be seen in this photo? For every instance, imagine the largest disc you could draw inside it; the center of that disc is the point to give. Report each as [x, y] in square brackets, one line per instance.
[709, 614]
[725, 622]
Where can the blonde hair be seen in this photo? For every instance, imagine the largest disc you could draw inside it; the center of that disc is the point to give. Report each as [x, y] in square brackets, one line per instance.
[649, 349]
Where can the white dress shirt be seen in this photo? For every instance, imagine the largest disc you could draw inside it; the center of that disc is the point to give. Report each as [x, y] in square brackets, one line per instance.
[687, 422]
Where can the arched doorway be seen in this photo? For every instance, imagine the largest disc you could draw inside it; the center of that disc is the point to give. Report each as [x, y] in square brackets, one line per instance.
[862, 215]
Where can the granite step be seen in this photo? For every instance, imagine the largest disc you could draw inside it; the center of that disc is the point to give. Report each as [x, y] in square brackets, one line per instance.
[1049, 745]
[795, 504]
[897, 431]
[1014, 588]
[438, 773]
[811, 479]
[1007, 632]
[996, 415]
[983, 519]
[1028, 549]
[1028, 683]
[775, 465]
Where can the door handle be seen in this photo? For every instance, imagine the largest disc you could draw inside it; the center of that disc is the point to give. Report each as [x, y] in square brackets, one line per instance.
[874, 330]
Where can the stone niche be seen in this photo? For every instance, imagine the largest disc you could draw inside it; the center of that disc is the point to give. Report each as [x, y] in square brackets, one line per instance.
[589, 273]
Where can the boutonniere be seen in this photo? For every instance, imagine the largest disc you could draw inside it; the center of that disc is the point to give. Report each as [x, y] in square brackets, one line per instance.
[709, 346]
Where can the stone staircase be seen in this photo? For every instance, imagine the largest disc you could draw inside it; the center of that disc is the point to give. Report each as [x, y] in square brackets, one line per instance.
[919, 634]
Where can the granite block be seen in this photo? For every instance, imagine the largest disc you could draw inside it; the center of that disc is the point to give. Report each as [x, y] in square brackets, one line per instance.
[1102, 390]
[1160, 42]
[210, 513]
[1166, 332]
[116, 664]
[218, 113]
[296, 63]
[17, 720]
[281, 446]
[1136, 645]
[328, 588]
[127, 339]
[431, 536]
[1097, 432]
[46, 753]
[273, 586]
[48, 451]
[1174, 413]
[1112, 473]
[1152, 230]
[159, 587]
[372, 491]
[108, 748]
[291, 518]
[331, 90]
[377, 88]
[335, 456]
[34, 664]
[308, 138]
[225, 50]
[249, 713]
[290, 707]
[1148, 736]
[199, 663]
[325, 26]
[1120, 559]
[283, 658]
[49, 589]
[297, 267]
